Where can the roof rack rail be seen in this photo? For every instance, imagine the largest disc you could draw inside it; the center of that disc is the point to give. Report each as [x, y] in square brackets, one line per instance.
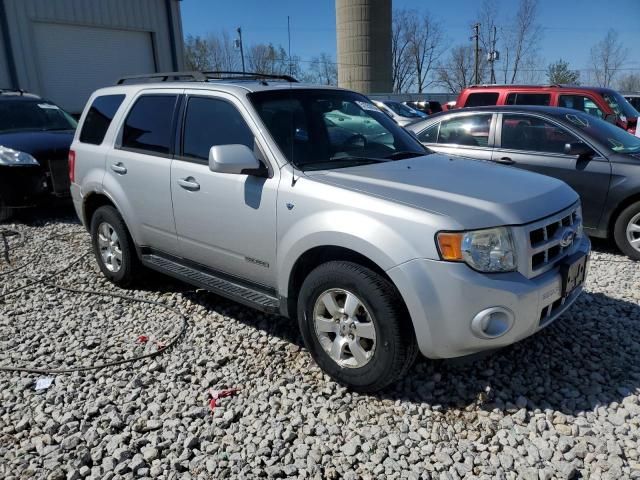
[205, 76]
[13, 91]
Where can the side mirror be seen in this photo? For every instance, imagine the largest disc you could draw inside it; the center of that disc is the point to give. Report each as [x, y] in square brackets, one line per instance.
[611, 118]
[233, 159]
[580, 149]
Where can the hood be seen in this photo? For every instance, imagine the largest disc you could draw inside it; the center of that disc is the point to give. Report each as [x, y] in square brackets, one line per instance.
[474, 193]
[53, 144]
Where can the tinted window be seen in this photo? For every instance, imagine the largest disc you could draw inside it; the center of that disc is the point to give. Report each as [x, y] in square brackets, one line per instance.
[528, 99]
[313, 131]
[470, 130]
[148, 125]
[521, 132]
[99, 118]
[210, 122]
[430, 135]
[38, 115]
[580, 102]
[481, 99]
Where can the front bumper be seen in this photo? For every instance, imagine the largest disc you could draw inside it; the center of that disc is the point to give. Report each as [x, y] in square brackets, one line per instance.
[443, 298]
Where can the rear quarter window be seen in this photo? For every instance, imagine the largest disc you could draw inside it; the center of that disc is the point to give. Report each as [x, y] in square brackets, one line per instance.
[482, 99]
[99, 117]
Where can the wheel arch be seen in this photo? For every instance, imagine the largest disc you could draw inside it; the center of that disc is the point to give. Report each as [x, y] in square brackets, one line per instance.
[624, 203]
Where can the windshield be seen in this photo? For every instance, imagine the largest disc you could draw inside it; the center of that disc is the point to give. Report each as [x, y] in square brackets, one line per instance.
[326, 129]
[403, 110]
[37, 115]
[615, 137]
[620, 105]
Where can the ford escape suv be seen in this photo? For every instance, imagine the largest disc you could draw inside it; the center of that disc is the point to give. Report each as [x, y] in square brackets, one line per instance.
[378, 247]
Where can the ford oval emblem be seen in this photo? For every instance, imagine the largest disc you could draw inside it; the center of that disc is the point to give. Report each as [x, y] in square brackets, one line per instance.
[567, 237]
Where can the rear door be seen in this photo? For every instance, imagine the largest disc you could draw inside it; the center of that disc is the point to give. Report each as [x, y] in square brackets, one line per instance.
[465, 134]
[537, 144]
[138, 169]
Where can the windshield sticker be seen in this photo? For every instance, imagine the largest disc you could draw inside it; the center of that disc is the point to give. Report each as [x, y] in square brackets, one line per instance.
[48, 106]
[367, 106]
[580, 121]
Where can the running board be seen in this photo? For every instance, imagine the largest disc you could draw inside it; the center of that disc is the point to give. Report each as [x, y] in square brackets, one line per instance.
[220, 286]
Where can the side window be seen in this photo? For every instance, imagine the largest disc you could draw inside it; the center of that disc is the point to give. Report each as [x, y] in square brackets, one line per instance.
[99, 118]
[210, 122]
[481, 99]
[582, 103]
[528, 99]
[470, 130]
[521, 132]
[430, 135]
[148, 125]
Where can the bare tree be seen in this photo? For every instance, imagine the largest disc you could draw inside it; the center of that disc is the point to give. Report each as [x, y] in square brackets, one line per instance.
[521, 41]
[322, 70]
[607, 56]
[425, 46]
[629, 82]
[266, 58]
[488, 19]
[458, 71]
[224, 55]
[403, 70]
[197, 53]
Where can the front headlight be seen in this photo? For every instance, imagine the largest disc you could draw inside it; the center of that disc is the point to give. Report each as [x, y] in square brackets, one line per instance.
[489, 250]
[9, 157]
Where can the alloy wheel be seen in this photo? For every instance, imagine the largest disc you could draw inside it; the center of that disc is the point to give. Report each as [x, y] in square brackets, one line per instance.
[633, 232]
[110, 249]
[345, 328]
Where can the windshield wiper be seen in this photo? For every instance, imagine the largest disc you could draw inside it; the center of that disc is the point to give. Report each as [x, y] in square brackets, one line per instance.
[350, 162]
[405, 154]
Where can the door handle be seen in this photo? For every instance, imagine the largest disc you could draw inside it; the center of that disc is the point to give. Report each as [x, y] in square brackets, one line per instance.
[189, 183]
[119, 168]
[505, 161]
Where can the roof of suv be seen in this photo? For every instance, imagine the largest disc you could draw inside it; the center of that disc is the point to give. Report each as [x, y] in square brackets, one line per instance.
[538, 87]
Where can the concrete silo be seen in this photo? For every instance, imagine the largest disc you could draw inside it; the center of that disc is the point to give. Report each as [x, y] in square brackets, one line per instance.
[364, 45]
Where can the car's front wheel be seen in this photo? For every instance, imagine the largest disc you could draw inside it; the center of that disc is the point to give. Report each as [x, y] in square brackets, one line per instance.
[627, 231]
[113, 248]
[355, 326]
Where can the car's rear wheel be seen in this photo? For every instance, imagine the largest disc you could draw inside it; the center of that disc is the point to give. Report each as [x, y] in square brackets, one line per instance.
[113, 247]
[627, 231]
[355, 326]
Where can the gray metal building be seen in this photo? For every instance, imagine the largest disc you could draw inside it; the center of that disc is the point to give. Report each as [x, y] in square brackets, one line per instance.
[65, 49]
[363, 30]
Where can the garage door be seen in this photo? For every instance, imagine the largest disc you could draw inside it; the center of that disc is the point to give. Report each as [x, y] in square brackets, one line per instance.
[74, 61]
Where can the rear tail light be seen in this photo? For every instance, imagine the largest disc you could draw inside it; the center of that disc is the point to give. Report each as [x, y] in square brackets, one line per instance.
[72, 166]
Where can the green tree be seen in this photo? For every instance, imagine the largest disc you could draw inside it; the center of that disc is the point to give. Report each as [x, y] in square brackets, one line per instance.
[560, 73]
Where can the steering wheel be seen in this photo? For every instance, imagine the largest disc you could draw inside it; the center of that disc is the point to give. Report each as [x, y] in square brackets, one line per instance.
[351, 141]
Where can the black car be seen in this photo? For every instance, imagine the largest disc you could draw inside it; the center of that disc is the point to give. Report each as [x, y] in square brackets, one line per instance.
[35, 136]
[597, 159]
[427, 106]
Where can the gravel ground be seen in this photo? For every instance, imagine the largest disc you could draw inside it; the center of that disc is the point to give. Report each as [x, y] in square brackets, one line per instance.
[563, 404]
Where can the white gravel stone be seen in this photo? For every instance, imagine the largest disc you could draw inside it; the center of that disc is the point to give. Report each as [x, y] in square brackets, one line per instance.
[561, 404]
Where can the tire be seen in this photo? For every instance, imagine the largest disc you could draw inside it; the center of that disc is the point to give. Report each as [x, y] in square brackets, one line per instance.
[379, 312]
[5, 212]
[123, 266]
[627, 229]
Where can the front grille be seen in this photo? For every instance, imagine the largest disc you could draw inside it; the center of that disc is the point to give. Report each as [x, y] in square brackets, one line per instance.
[545, 240]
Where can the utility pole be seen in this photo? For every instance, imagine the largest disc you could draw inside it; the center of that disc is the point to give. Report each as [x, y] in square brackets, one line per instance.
[476, 36]
[493, 55]
[241, 47]
[289, 37]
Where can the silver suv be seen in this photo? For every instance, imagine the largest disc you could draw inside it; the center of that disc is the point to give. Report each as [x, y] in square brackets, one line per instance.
[252, 188]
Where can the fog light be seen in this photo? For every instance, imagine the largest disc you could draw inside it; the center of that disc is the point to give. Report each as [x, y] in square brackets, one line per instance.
[492, 322]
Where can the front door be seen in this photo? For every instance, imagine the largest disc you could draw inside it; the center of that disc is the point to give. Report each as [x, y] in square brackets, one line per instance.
[534, 143]
[466, 135]
[226, 222]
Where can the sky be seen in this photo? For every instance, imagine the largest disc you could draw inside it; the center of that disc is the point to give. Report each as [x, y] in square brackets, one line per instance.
[570, 27]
